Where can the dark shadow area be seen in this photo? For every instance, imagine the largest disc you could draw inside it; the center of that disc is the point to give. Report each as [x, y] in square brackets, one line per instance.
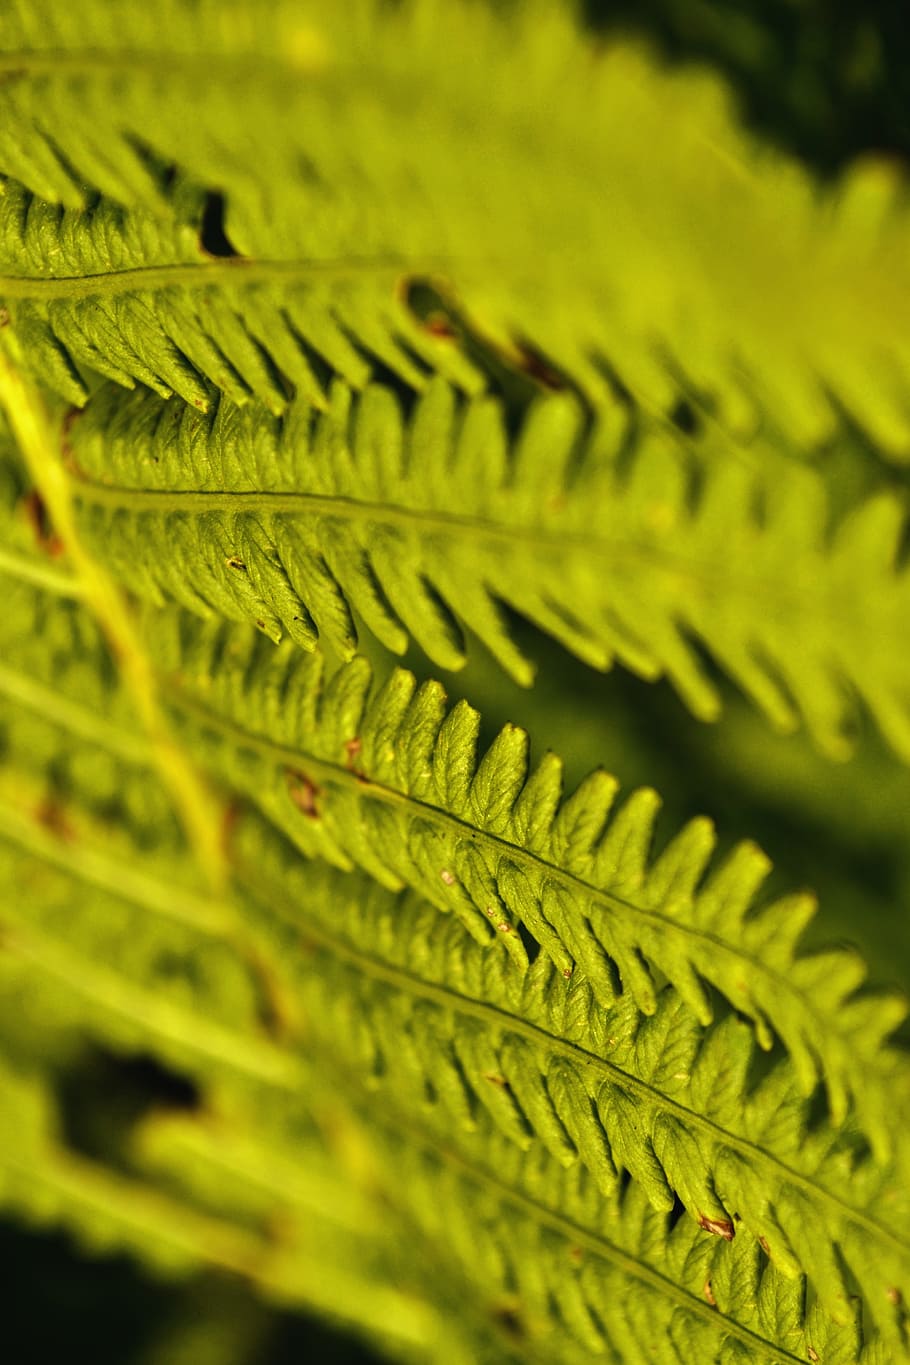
[55, 1298]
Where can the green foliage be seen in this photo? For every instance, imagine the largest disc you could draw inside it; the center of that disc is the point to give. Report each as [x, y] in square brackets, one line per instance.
[303, 522]
[308, 977]
[549, 232]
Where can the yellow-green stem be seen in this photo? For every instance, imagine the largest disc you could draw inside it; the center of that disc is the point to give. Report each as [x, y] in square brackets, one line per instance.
[41, 450]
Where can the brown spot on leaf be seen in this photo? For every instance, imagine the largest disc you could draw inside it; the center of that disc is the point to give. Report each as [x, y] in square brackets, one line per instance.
[234, 563]
[709, 1293]
[495, 1079]
[229, 817]
[37, 517]
[576, 1255]
[447, 876]
[52, 815]
[507, 1316]
[813, 1354]
[534, 364]
[352, 749]
[718, 1227]
[895, 1296]
[305, 794]
[763, 1243]
[439, 325]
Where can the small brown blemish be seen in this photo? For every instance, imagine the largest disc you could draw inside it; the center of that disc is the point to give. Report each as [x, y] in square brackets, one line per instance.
[52, 815]
[534, 365]
[709, 1293]
[504, 927]
[567, 972]
[895, 1296]
[508, 1317]
[305, 794]
[447, 877]
[234, 563]
[495, 1079]
[813, 1354]
[40, 523]
[4, 317]
[438, 325]
[352, 750]
[66, 447]
[229, 818]
[576, 1255]
[718, 1227]
[763, 1243]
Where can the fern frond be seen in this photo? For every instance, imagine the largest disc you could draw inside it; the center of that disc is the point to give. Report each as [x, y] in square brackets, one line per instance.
[93, 961]
[542, 1207]
[442, 1024]
[496, 156]
[134, 296]
[418, 522]
[402, 1001]
[450, 1030]
[389, 779]
[568, 1265]
[624, 1282]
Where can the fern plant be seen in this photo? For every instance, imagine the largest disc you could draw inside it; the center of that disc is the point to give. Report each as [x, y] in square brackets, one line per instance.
[416, 329]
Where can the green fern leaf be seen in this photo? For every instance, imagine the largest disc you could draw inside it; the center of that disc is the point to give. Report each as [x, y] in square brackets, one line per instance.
[545, 1195]
[134, 295]
[304, 522]
[444, 1019]
[321, 161]
[360, 776]
[444, 1025]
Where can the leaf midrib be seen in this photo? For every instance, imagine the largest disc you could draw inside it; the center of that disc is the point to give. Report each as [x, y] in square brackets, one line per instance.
[577, 1235]
[186, 275]
[496, 1017]
[366, 789]
[799, 585]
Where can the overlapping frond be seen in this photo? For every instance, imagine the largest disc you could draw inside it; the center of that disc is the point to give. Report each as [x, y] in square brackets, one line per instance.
[135, 296]
[417, 522]
[389, 779]
[480, 150]
[340, 249]
[452, 1032]
[535, 1081]
[549, 1211]
[546, 1207]
[573, 1275]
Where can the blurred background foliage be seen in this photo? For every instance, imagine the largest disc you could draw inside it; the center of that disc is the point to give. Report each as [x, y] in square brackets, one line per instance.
[827, 80]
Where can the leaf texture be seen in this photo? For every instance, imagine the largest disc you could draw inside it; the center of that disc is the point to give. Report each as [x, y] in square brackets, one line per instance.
[415, 522]
[322, 161]
[442, 1019]
[533, 1101]
[388, 779]
[135, 296]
